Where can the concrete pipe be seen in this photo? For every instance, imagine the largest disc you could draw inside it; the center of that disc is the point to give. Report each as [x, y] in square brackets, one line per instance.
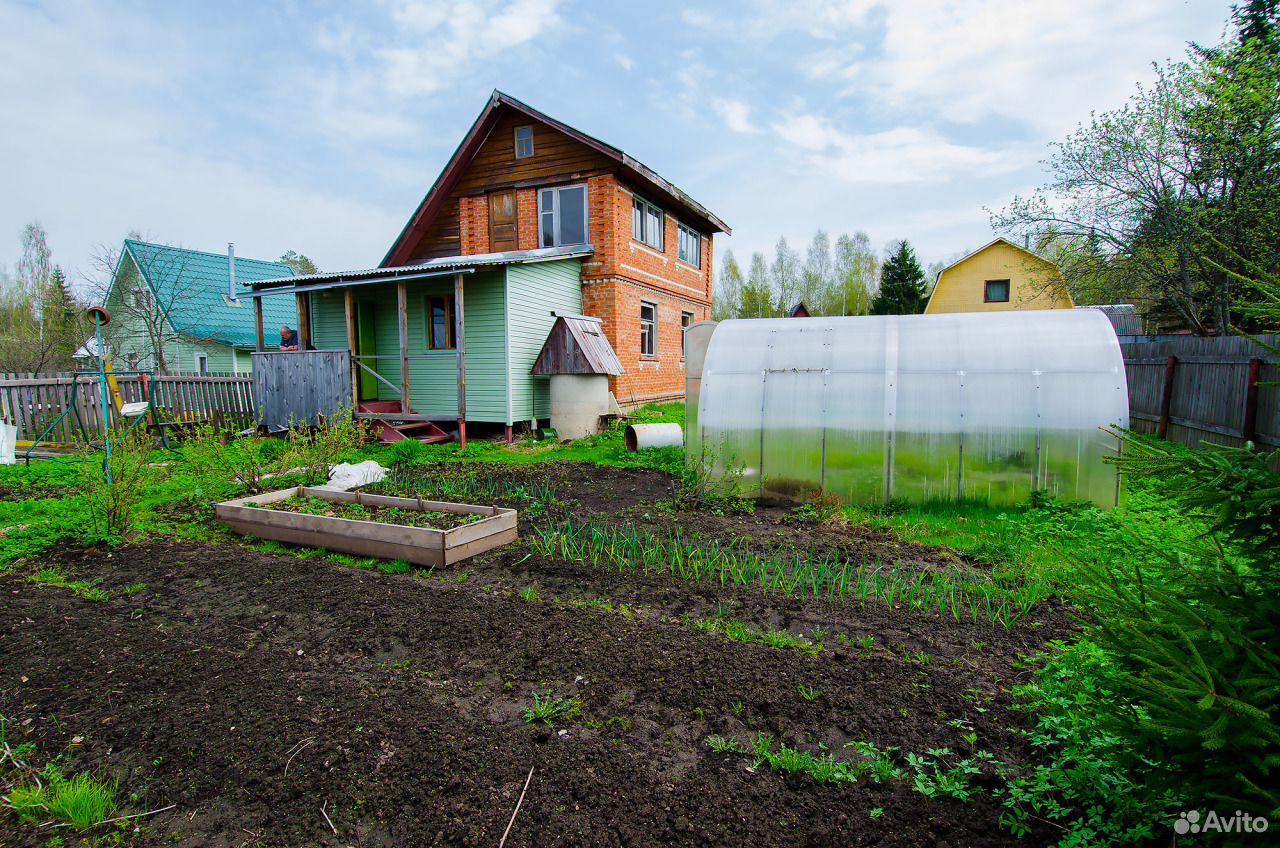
[641, 436]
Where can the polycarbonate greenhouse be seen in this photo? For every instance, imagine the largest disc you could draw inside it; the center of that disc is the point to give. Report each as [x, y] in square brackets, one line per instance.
[988, 406]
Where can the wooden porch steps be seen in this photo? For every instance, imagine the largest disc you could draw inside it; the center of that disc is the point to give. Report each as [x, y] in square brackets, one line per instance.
[392, 428]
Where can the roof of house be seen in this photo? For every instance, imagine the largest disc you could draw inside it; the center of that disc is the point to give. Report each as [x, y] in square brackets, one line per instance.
[798, 311]
[196, 284]
[443, 265]
[479, 133]
[988, 245]
[1124, 317]
[577, 345]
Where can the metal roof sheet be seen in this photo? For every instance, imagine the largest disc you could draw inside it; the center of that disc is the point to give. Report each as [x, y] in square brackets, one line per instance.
[577, 345]
[196, 283]
[444, 263]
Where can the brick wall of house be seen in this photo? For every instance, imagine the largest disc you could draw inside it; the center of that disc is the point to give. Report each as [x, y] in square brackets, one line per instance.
[616, 279]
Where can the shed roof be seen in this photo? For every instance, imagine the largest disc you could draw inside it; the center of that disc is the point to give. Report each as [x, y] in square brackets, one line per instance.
[442, 265]
[576, 345]
[431, 205]
[193, 286]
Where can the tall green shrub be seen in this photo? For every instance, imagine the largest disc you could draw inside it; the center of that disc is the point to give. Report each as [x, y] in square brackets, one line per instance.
[1195, 637]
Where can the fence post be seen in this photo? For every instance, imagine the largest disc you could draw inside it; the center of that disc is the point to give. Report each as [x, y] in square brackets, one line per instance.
[1250, 430]
[1166, 397]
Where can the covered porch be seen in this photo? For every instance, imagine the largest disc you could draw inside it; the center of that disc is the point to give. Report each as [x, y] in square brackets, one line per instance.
[429, 345]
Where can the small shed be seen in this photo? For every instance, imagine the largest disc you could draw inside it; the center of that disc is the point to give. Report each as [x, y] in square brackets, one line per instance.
[578, 360]
[799, 311]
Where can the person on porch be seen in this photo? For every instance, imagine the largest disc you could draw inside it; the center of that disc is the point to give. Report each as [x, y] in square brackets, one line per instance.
[288, 338]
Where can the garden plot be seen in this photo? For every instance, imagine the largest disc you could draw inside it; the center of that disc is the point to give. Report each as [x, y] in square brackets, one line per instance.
[253, 685]
[410, 529]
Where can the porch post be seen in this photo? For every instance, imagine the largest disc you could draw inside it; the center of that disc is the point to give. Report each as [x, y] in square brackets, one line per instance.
[349, 303]
[402, 301]
[304, 320]
[261, 342]
[459, 342]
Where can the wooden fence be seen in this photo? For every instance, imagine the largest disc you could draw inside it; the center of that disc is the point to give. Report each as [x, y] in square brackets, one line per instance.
[32, 402]
[1194, 390]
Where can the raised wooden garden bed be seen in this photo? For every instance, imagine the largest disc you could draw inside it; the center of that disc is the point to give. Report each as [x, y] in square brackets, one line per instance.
[260, 515]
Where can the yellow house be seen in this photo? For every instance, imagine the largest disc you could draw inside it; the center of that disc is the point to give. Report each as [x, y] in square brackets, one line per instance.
[997, 277]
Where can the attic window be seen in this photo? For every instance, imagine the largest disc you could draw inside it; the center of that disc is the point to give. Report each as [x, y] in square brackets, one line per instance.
[524, 142]
[996, 291]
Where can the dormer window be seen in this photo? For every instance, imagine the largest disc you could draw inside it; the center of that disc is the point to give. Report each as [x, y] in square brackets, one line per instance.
[524, 142]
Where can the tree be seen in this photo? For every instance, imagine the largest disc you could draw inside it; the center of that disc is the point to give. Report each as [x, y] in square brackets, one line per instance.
[728, 288]
[856, 272]
[1162, 201]
[299, 262]
[39, 318]
[816, 277]
[757, 294]
[785, 273]
[902, 284]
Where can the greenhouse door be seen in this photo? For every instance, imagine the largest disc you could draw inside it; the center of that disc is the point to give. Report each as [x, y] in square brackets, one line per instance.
[792, 433]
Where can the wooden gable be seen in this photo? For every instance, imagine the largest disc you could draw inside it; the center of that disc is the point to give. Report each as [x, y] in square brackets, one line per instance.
[486, 161]
[556, 158]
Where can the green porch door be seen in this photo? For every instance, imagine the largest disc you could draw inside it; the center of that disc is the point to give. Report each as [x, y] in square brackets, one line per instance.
[367, 346]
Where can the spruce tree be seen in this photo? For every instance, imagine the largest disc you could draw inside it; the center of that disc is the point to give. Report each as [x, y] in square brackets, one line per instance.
[902, 284]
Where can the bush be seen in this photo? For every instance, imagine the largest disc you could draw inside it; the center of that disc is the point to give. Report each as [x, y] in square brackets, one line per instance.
[113, 484]
[315, 450]
[1194, 638]
[220, 462]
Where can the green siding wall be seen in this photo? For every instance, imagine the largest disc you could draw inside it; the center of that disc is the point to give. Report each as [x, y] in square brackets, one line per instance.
[328, 321]
[433, 386]
[535, 291]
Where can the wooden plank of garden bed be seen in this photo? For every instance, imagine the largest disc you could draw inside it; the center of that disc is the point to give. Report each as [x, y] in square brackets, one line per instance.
[457, 553]
[505, 520]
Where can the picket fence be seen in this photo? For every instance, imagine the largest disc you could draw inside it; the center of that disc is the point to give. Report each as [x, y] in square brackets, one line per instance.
[33, 402]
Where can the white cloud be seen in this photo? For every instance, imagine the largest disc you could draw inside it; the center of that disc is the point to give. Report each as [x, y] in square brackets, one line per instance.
[624, 61]
[736, 115]
[439, 41]
[899, 155]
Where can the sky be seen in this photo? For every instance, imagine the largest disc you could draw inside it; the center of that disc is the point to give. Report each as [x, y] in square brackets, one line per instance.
[318, 127]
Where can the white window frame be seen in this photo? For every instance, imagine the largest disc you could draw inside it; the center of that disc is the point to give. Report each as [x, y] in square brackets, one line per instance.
[646, 211]
[520, 155]
[554, 193]
[684, 233]
[652, 335]
[202, 363]
[684, 327]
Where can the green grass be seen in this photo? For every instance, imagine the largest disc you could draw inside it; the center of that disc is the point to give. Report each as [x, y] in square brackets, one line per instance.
[738, 631]
[81, 801]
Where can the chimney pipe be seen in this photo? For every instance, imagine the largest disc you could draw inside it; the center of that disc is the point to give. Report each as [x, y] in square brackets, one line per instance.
[231, 261]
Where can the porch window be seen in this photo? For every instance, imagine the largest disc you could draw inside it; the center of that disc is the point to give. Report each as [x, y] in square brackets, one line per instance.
[562, 216]
[646, 222]
[996, 291]
[440, 323]
[686, 321]
[690, 247]
[524, 142]
[648, 328]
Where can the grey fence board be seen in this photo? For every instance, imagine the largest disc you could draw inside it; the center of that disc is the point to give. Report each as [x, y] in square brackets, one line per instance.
[1210, 389]
[301, 386]
[33, 402]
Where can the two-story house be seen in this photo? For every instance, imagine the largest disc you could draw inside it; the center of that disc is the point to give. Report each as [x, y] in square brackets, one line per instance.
[530, 218]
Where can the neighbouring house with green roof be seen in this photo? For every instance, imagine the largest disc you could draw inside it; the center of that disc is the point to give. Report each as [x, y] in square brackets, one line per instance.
[175, 310]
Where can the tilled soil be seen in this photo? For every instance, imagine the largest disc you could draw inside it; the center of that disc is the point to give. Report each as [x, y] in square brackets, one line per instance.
[255, 691]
